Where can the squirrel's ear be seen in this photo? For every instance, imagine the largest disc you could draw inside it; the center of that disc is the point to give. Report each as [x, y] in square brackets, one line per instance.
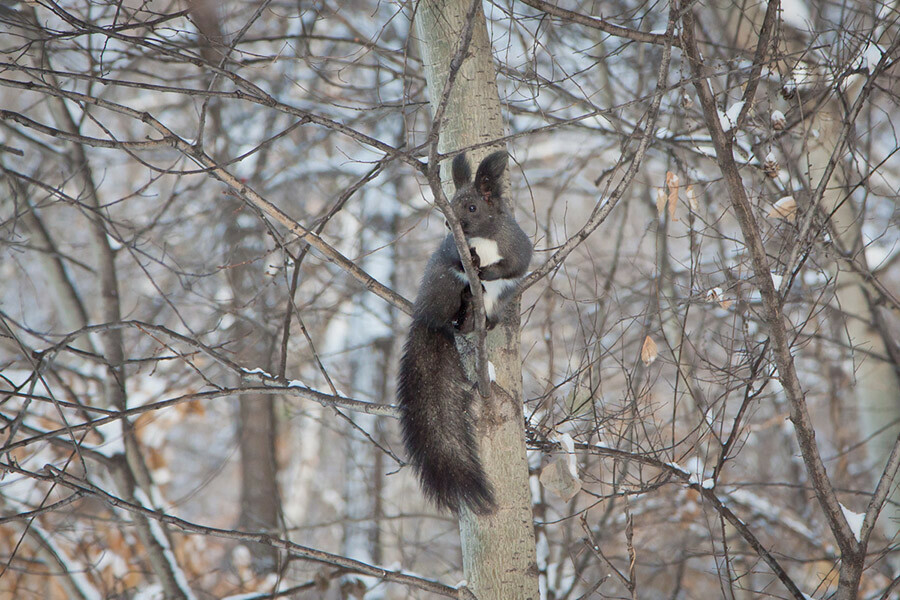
[462, 172]
[488, 178]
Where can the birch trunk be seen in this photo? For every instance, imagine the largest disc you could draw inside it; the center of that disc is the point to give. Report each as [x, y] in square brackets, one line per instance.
[499, 560]
[876, 389]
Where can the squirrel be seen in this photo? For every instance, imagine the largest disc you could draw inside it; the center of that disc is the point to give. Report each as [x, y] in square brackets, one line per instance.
[433, 391]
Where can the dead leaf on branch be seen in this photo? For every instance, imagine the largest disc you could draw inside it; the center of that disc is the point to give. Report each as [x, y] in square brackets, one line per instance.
[672, 182]
[771, 166]
[692, 198]
[716, 295]
[785, 208]
[778, 120]
[649, 351]
[558, 478]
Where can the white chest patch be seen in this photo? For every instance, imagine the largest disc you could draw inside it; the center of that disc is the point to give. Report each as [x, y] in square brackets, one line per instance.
[493, 292]
[486, 249]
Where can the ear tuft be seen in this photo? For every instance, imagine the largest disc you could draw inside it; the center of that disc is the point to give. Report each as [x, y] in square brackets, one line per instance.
[489, 177]
[462, 172]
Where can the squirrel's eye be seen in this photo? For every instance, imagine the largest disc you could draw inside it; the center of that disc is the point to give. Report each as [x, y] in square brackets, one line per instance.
[472, 208]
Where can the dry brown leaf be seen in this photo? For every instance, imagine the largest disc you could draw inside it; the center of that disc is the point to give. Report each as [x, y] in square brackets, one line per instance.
[786, 209]
[691, 197]
[558, 478]
[660, 201]
[649, 351]
[716, 295]
[672, 183]
[778, 120]
[771, 166]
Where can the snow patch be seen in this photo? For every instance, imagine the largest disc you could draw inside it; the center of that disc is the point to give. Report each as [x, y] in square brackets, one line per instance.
[678, 468]
[568, 444]
[113, 441]
[151, 592]
[855, 520]
[728, 119]
[256, 371]
[114, 244]
[796, 14]
[160, 538]
[696, 468]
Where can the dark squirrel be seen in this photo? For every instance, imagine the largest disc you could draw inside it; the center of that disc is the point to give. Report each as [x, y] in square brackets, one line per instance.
[433, 391]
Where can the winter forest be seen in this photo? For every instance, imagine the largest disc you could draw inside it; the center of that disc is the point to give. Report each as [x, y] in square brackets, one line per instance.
[214, 219]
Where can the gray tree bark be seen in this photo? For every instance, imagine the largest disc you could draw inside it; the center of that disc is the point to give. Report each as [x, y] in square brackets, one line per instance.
[257, 427]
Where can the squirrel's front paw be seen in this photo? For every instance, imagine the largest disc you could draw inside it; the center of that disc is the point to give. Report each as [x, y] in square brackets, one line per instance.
[465, 319]
[476, 260]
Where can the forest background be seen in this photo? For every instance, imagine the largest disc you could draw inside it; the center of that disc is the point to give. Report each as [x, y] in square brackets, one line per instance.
[214, 217]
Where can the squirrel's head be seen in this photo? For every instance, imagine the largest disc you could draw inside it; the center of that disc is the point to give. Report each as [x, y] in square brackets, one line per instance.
[478, 203]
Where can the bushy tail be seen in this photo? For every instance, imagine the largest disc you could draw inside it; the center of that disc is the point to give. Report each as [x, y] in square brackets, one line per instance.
[435, 397]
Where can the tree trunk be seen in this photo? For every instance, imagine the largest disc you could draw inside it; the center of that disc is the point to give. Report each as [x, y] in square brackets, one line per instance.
[499, 560]
[876, 389]
[260, 505]
[260, 501]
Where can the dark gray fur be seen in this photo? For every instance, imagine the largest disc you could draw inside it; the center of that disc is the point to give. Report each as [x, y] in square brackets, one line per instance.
[435, 395]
